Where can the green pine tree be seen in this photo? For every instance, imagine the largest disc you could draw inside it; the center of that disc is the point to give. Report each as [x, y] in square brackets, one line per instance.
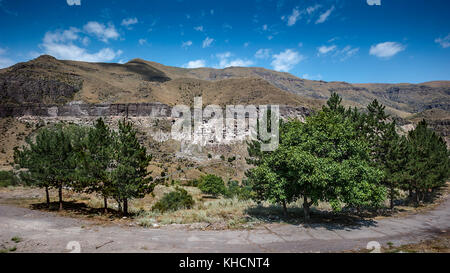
[49, 160]
[130, 176]
[395, 159]
[428, 162]
[96, 156]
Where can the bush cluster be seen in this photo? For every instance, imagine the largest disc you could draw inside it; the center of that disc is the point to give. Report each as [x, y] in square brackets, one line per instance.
[8, 179]
[212, 184]
[242, 192]
[178, 199]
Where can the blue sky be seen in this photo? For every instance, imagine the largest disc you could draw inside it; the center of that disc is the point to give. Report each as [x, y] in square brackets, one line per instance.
[332, 40]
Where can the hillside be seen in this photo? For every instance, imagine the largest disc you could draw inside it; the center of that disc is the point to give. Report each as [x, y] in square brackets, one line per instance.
[400, 99]
[48, 80]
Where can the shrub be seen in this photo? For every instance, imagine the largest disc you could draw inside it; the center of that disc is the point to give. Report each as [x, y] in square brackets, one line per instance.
[16, 239]
[178, 199]
[231, 159]
[8, 179]
[192, 183]
[242, 192]
[212, 184]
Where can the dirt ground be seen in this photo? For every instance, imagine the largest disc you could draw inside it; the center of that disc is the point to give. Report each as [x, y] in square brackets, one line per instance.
[30, 230]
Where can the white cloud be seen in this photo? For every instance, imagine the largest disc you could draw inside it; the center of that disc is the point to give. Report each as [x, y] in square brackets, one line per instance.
[386, 49]
[199, 28]
[347, 52]
[444, 42]
[130, 21]
[263, 53]
[374, 2]
[308, 13]
[227, 27]
[224, 55]
[61, 45]
[74, 2]
[73, 52]
[265, 27]
[292, 19]
[286, 60]
[207, 42]
[246, 44]
[342, 54]
[238, 62]
[317, 77]
[4, 61]
[324, 16]
[312, 9]
[67, 35]
[102, 32]
[142, 41]
[325, 49]
[225, 61]
[85, 41]
[186, 44]
[196, 64]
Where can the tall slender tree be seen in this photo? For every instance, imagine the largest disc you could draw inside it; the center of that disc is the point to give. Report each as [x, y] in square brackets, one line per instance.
[50, 159]
[394, 161]
[96, 155]
[428, 161]
[30, 158]
[130, 176]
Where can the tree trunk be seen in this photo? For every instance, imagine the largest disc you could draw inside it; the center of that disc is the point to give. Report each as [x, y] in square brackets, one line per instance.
[125, 207]
[105, 202]
[392, 199]
[60, 197]
[306, 211]
[119, 206]
[410, 196]
[47, 196]
[285, 212]
[417, 198]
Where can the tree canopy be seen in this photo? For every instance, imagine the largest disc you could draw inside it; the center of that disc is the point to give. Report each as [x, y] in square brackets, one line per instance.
[96, 159]
[348, 158]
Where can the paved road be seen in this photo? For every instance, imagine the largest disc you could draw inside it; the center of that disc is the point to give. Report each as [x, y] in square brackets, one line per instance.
[47, 232]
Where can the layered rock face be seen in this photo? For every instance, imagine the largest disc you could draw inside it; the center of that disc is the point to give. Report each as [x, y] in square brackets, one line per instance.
[152, 110]
[87, 110]
[152, 119]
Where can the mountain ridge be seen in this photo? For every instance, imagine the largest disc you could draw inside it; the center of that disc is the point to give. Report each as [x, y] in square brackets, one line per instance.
[49, 80]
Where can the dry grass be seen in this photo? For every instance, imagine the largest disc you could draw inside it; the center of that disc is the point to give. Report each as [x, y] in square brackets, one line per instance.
[225, 213]
[207, 213]
[12, 133]
[440, 244]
